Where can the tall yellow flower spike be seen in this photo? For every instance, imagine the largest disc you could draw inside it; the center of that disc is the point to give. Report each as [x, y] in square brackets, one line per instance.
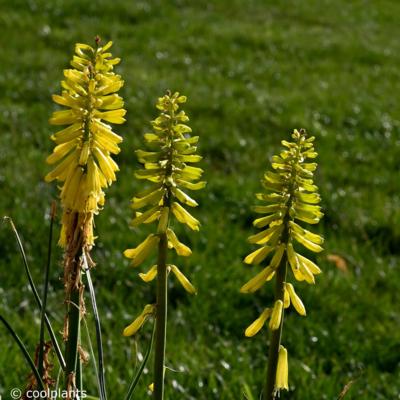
[167, 165]
[83, 149]
[290, 197]
[83, 165]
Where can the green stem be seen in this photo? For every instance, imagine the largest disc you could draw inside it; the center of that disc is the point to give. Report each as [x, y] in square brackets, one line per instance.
[269, 389]
[73, 316]
[161, 318]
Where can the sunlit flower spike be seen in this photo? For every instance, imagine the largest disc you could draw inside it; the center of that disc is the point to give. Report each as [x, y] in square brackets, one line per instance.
[290, 198]
[83, 153]
[167, 165]
[83, 165]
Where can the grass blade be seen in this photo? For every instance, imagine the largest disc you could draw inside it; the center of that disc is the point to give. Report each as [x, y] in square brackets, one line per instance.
[100, 354]
[35, 293]
[24, 352]
[45, 290]
[91, 351]
[141, 368]
[247, 392]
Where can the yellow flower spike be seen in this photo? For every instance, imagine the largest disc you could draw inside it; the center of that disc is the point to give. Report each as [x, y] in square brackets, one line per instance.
[256, 326]
[82, 156]
[150, 274]
[295, 299]
[167, 167]
[276, 316]
[82, 164]
[183, 280]
[282, 371]
[290, 196]
[130, 330]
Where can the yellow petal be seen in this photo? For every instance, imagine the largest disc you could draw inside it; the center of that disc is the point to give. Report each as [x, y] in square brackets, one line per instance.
[276, 316]
[183, 280]
[184, 217]
[276, 259]
[163, 221]
[139, 321]
[308, 276]
[292, 257]
[307, 243]
[60, 172]
[310, 265]
[282, 371]
[180, 248]
[144, 218]
[296, 301]
[64, 117]
[258, 255]
[256, 326]
[84, 155]
[152, 198]
[265, 236]
[150, 274]
[286, 298]
[67, 134]
[61, 151]
[184, 198]
[255, 283]
[105, 165]
[140, 253]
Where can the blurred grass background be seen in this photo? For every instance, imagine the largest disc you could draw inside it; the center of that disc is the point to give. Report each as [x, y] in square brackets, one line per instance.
[252, 70]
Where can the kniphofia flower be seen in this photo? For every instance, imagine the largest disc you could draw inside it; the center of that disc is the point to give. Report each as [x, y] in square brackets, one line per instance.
[167, 166]
[290, 198]
[83, 153]
[84, 167]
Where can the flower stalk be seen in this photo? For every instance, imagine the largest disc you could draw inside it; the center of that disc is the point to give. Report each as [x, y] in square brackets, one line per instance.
[290, 195]
[85, 167]
[161, 320]
[168, 167]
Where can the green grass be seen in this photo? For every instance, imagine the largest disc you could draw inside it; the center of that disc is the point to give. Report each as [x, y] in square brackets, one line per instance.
[252, 72]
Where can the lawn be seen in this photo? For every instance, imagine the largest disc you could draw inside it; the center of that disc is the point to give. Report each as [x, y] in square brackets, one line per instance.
[252, 70]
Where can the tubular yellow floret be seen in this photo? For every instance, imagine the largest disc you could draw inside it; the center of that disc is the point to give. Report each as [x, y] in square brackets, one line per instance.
[256, 326]
[295, 299]
[140, 253]
[276, 316]
[139, 321]
[183, 280]
[282, 371]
